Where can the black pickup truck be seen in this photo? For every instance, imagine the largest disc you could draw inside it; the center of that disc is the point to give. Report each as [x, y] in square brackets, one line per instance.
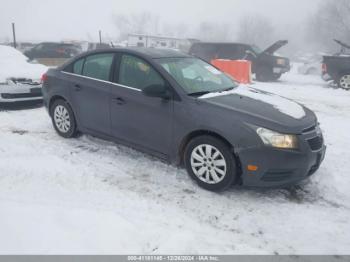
[266, 65]
[337, 67]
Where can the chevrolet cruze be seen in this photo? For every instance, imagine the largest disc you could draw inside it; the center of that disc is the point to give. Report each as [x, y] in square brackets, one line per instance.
[185, 111]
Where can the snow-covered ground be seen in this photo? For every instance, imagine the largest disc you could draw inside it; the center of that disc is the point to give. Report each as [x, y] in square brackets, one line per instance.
[86, 195]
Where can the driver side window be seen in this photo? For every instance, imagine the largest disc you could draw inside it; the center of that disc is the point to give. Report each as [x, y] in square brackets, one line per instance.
[137, 73]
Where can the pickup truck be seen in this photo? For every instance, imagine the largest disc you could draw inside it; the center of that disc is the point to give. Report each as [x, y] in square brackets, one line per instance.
[266, 65]
[337, 67]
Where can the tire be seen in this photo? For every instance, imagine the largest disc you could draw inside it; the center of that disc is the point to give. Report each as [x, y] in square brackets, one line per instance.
[63, 119]
[266, 75]
[344, 82]
[211, 175]
[261, 77]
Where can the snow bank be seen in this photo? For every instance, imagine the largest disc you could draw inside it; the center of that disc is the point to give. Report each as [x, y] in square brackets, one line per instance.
[284, 105]
[88, 196]
[14, 64]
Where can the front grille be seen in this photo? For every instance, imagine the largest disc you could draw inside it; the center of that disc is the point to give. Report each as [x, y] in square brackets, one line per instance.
[277, 175]
[309, 129]
[25, 81]
[315, 143]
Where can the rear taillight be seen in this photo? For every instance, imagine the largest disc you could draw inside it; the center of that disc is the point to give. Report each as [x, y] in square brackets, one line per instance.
[324, 68]
[43, 78]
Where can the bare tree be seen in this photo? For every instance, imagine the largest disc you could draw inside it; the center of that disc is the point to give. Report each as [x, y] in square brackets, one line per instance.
[257, 30]
[143, 23]
[331, 20]
[180, 30]
[210, 31]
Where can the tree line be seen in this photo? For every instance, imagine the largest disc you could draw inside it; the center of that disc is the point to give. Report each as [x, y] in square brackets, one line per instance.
[331, 20]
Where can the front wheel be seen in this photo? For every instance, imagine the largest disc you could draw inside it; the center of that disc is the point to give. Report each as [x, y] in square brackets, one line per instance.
[344, 82]
[63, 119]
[210, 162]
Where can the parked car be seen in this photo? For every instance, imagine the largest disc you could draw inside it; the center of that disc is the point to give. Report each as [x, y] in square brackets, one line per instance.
[22, 46]
[53, 50]
[337, 67]
[265, 64]
[309, 64]
[19, 79]
[184, 110]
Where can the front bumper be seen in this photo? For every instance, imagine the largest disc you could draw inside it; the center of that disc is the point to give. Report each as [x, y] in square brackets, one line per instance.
[279, 167]
[11, 93]
[280, 70]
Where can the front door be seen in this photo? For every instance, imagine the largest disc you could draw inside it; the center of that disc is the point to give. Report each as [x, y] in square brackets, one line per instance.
[135, 118]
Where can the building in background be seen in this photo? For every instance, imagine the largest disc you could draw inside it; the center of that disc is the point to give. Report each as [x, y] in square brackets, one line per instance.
[153, 41]
[140, 40]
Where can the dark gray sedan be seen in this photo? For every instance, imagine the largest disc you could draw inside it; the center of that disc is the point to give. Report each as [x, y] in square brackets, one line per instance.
[182, 109]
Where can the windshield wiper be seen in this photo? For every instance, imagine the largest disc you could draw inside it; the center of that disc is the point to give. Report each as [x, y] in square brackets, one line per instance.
[227, 89]
[201, 93]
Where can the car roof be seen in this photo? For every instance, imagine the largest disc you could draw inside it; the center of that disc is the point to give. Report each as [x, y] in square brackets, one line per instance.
[142, 51]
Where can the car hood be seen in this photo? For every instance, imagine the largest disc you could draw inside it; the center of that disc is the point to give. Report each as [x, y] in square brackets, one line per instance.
[264, 109]
[273, 48]
[14, 64]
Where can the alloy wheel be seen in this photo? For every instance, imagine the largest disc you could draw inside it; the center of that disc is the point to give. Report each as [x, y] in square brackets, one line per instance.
[208, 164]
[345, 82]
[62, 119]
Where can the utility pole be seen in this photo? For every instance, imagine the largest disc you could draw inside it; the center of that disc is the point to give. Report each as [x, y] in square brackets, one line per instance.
[14, 35]
[100, 34]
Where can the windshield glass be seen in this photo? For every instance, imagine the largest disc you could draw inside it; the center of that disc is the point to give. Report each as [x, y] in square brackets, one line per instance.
[256, 49]
[196, 76]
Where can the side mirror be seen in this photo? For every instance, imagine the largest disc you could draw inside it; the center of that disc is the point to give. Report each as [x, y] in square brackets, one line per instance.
[156, 91]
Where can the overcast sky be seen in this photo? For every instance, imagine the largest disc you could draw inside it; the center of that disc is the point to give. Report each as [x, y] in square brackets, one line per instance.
[39, 20]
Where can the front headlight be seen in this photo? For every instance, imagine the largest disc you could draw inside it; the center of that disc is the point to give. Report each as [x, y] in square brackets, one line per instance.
[275, 139]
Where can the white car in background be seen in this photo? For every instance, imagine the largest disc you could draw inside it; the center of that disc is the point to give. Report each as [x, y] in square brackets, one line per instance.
[310, 64]
[19, 79]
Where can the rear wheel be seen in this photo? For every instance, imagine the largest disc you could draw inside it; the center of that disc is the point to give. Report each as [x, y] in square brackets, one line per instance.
[210, 162]
[63, 119]
[344, 82]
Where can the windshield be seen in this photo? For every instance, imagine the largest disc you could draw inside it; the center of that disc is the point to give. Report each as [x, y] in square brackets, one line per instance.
[196, 76]
[256, 49]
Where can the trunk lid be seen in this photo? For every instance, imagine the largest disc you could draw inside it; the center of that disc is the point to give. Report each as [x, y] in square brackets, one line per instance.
[273, 48]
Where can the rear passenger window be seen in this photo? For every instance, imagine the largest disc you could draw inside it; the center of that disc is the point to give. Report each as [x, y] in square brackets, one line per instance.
[98, 66]
[206, 52]
[233, 52]
[78, 67]
[137, 73]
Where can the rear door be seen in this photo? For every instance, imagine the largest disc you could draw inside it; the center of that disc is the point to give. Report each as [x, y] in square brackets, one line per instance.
[135, 118]
[90, 91]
